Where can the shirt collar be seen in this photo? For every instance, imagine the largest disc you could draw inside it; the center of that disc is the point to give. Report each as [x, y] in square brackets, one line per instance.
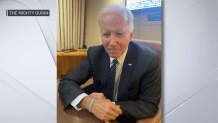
[120, 59]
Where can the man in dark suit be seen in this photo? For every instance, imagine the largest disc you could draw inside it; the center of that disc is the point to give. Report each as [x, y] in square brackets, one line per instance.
[125, 73]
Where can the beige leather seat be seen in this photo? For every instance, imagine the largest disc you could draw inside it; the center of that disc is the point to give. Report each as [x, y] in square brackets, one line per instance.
[155, 45]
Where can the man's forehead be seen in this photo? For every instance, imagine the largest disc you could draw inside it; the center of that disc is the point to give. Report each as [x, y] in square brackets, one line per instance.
[115, 20]
[114, 17]
[112, 28]
[109, 31]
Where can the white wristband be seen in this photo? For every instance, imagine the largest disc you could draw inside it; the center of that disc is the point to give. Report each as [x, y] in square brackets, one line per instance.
[90, 105]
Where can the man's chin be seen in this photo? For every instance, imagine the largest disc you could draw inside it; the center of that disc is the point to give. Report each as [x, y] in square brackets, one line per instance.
[113, 55]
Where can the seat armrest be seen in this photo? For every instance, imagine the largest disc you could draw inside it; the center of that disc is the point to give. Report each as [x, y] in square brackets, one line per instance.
[88, 87]
[155, 119]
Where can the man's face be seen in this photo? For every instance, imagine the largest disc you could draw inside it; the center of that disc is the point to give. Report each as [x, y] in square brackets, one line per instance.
[115, 34]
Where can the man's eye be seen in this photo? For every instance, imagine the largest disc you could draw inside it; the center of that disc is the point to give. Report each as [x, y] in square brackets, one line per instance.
[119, 34]
[106, 34]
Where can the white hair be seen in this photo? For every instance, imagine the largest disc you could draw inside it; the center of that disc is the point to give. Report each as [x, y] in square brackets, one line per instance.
[127, 14]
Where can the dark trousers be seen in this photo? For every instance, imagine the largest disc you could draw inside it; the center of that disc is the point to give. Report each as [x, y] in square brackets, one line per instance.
[122, 119]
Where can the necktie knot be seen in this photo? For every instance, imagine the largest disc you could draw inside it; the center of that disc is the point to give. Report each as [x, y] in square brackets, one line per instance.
[115, 61]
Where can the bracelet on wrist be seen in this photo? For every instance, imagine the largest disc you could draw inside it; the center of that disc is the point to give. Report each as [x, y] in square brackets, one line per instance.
[90, 105]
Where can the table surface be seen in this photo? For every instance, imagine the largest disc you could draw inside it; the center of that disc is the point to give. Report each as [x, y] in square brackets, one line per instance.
[66, 62]
[80, 52]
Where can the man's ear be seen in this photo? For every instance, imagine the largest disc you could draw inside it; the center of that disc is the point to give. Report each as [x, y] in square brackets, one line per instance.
[131, 35]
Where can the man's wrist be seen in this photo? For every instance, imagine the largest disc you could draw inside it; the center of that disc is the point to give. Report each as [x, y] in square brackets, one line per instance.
[84, 103]
[90, 105]
[77, 100]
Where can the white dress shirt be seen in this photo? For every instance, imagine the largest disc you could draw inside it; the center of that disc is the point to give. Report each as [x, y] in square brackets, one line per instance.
[119, 67]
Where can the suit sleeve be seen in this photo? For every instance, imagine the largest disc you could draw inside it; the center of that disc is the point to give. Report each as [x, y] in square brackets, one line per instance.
[149, 95]
[69, 87]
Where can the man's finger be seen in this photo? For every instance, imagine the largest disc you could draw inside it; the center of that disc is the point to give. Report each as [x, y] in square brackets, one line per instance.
[98, 95]
[113, 113]
[95, 95]
[117, 109]
[112, 117]
[109, 117]
[102, 96]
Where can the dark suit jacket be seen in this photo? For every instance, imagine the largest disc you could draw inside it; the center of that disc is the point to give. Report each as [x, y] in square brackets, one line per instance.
[139, 86]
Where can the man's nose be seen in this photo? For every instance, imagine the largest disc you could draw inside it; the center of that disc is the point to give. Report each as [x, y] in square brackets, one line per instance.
[113, 40]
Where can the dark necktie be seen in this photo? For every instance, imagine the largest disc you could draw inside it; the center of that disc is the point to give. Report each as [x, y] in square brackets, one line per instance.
[110, 81]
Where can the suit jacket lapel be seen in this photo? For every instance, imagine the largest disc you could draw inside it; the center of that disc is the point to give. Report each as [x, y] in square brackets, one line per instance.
[105, 66]
[128, 66]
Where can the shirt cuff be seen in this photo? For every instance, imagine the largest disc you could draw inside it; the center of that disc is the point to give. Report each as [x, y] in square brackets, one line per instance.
[77, 100]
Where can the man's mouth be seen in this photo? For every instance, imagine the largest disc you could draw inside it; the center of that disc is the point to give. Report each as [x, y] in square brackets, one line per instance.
[113, 49]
